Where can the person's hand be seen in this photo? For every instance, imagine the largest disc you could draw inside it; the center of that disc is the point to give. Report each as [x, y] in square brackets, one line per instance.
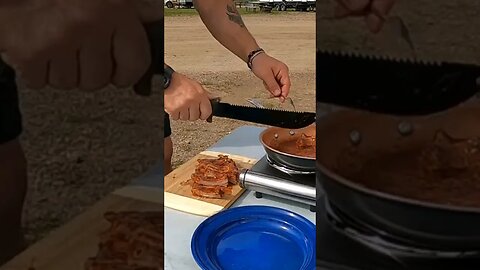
[274, 75]
[374, 11]
[67, 44]
[186, 99]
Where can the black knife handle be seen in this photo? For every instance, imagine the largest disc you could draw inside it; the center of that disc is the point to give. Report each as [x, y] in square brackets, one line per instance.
[213, 102]
[155, 37]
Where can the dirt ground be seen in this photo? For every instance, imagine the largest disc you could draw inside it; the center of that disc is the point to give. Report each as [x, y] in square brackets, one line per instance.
[191, 50]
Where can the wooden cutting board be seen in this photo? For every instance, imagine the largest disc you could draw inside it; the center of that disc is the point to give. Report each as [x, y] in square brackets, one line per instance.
[68, 247]
[178, 196]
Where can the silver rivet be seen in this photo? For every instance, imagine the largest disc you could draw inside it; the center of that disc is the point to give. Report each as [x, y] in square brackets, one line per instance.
[405, 128]
[292, 132]
[355, 137]
[275, 135]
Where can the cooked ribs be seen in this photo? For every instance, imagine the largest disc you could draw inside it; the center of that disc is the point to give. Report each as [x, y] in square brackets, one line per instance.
[134, 241]
[213, 178]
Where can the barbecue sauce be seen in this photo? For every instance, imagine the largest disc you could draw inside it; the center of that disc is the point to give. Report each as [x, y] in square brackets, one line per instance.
[446, 171]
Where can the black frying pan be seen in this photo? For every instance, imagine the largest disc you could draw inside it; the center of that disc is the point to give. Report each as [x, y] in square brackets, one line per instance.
[414, 222]
[275, 139]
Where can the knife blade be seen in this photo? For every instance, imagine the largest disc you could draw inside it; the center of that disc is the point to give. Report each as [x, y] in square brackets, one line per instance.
[392, 85]
[271, 117]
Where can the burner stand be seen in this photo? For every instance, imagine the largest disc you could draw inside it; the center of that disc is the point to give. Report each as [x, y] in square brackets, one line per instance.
[269, 178]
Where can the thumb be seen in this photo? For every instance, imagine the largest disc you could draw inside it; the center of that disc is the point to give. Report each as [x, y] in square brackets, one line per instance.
[272, 85]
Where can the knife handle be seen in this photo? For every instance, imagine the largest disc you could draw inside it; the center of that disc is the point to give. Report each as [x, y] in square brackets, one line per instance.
[155, 37]
[213, 102]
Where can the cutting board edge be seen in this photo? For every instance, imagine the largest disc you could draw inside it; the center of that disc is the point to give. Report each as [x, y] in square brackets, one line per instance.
[201, 208]
[142, 193]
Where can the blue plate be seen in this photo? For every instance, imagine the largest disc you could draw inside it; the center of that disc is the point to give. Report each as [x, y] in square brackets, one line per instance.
[255, 238]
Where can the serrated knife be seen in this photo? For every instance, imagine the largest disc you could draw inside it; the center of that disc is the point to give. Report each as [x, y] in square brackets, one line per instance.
[393, 86]
[271, 117]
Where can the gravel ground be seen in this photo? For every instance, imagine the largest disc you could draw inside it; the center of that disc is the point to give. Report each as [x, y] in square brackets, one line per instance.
[82, 146]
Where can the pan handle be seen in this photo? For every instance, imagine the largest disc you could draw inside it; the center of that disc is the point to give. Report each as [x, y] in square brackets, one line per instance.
[277, 187]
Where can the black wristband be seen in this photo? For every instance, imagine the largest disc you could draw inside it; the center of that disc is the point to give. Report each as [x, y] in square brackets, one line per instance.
[252, 55]
[167, 76]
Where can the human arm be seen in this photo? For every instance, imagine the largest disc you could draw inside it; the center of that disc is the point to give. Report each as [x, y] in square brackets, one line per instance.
[226, 25]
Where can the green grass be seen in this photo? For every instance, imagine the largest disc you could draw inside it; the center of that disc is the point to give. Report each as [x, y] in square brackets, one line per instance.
[172, 12]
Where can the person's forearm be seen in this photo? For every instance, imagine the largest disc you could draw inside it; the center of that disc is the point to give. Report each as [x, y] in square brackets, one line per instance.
[226, 25]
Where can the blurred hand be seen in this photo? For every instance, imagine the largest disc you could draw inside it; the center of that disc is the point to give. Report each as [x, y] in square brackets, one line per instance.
[186, 99]
[374, 11]
[67, 44]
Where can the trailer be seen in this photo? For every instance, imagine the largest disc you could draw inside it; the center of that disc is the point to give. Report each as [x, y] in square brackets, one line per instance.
[178, 3]
[284, 5]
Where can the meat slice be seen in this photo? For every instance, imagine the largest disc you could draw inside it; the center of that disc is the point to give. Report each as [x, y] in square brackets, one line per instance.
[209, 180]
[446, 155]
[306, 142]
[207, 191]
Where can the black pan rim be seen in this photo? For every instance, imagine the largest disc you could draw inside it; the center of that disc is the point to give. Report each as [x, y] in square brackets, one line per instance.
[390, 197]
[280, 152]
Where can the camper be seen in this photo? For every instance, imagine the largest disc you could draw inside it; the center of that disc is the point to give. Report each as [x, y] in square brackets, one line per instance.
[283, 5]
[179, 3]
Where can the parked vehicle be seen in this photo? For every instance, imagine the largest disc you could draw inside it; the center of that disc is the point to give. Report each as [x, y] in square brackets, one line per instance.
[179, 3]
[283, 5]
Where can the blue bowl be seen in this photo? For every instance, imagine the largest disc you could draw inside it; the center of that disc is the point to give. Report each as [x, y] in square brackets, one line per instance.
[255, 238]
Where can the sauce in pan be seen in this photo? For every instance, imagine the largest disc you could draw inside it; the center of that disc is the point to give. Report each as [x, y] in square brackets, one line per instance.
[303, 146]
[445, 171]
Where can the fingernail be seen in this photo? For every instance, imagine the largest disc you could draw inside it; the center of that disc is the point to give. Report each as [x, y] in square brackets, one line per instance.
[277, 92]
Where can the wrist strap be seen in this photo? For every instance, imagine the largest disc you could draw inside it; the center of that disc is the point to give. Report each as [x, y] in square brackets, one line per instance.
[252, 55]
[167, 76]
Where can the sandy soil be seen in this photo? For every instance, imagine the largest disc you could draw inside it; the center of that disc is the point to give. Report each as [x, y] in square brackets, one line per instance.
[191, 50]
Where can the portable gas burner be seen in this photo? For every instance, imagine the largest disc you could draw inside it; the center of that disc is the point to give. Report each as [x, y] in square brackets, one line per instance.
[269, 177]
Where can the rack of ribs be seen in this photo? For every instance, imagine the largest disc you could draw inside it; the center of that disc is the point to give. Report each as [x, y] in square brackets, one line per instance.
[214, 178]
